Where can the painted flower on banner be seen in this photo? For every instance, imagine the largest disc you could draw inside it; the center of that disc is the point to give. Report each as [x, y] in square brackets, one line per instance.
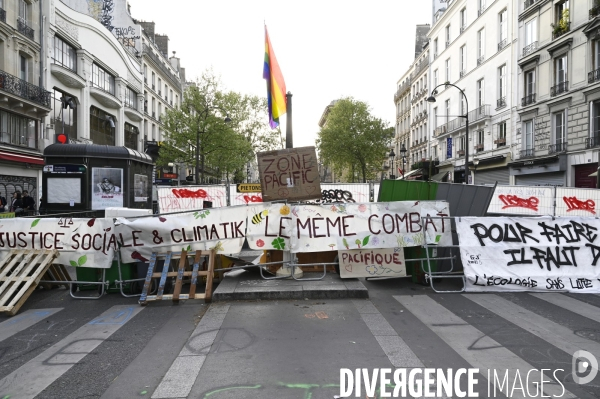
[362, 208]
[375, 241]
[284, 210]
[218, 247]
[260, 243]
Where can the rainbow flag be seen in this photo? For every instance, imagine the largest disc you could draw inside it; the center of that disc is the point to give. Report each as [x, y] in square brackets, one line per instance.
[275, 84]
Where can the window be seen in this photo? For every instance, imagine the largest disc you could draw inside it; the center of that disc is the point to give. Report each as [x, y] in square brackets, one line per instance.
[153, 107]
[153, 81]
[435, 48]
[145, 73]
[560, 76]
[447, 36]
[561, 14]
[502, 86]
[102, 79]
[435, 78]
[171, 96]
[530, 82]
[461, 143]
[166, 88]
[23, 68]
[159, 85]
[501, 139]
[560, 134]
[448, 70]
[154, 137]
[18, 130]
[64, 114]
[463, 19]
[481, 7]
[480, 93]
[132, 134]
[595, 125]
[530, 32]
[102, 127]
[595, 59]
[528, 139]
[463, 104]
[130, 98]
[23, 10]
[447, 110]
[463, 61]
[503, 29]
[64, 54]
[480, 46]
[435, 114]
[480, 140]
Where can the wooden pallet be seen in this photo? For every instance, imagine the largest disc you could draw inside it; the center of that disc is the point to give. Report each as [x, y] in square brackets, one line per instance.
[179, 274]
[20, 273]
[56, 274]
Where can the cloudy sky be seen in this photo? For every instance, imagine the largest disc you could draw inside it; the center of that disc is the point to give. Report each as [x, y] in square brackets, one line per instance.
[326, 49]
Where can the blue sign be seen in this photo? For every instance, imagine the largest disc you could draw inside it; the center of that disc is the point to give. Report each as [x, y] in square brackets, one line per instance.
[449, 148]
[164, 181]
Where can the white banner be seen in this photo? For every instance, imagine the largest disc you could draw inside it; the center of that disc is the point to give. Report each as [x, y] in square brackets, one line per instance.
[387, 262]
[522, 200]
[577, 201]
[188, 198]
[314, 228]
[530, 254]
[80, 242]
[221, 228]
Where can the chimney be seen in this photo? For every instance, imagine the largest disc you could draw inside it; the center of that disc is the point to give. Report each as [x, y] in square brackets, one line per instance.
[162, 42]
[148, 29]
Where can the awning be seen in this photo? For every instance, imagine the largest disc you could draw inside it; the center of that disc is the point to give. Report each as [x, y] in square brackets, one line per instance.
[439, 177]
[594, 174]
[9, 156]
[407, 174]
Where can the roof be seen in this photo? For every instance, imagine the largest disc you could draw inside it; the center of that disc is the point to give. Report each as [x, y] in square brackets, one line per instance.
[94, 151]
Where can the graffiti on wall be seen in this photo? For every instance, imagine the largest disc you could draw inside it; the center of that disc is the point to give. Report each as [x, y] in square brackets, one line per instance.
[10, 184]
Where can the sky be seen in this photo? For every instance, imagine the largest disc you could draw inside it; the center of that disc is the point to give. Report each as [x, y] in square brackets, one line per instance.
[326, 49]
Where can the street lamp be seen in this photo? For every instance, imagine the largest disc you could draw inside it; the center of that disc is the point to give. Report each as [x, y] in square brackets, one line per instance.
[431, 99]
[204, 127]
[475, 163]
[392, 155]
[403, 153]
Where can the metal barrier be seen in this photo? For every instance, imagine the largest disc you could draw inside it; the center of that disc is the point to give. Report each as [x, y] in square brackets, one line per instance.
[431, 276]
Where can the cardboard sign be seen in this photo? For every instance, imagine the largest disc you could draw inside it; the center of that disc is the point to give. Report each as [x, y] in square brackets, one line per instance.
[386, 262]
[530, 254]
[291, 174]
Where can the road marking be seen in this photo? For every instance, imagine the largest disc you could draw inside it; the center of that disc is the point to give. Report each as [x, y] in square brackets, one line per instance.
[555, 334]
[573, 305]
[24, 320]
[394, 347]
[462, 336]
[38, 373]
[179, 380]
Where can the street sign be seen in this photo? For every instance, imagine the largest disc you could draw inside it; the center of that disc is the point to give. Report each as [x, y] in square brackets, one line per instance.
[248, 188]
[169, 175]
[163, 181]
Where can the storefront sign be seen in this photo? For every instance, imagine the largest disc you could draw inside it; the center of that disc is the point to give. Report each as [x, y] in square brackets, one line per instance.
[80, 242]
[530, 254]
[248, 188]
[223, 229]
[388, 262]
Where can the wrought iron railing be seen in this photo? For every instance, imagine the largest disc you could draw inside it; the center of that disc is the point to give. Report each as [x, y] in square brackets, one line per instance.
[562, 87]
[2, 15]
[480, 11]
[24, 29]
[502, 44]
[593, 141]
[528, 3]
[594, 11]
[501, 102]
[528, 153]
[461, 73]
[475, 115]
[594, 76]
[500, 141]
[560, 146]
[558, 32]
[530, 48]
[480, 60]
[528, 99]
[12, 84]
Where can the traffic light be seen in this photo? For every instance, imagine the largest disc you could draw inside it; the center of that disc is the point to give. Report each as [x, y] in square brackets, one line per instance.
[61, 138]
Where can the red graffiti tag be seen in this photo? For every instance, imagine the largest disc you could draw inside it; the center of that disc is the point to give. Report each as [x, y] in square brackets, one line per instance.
[512, 201]
[575, 204]
[252, 198]
[187, 193]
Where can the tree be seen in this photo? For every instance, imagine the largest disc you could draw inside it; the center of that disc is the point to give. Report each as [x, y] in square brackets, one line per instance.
[353, 140]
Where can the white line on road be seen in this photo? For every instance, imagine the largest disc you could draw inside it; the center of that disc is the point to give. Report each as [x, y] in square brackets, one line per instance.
[24, 320]
[572, 305]
[38, 373]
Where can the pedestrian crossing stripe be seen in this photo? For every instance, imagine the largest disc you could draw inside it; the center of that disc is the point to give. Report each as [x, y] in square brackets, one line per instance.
[24, 320]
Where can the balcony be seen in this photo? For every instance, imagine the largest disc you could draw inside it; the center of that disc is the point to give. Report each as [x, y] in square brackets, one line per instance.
[528, 153]
[435, 55]
[501, 103]
[159, 93]
[479, 147]
[457, 123]
[594, 141]
[461, 73]
[528, 99]
[154, 87]
[560, 146]
[154, 114]
[528, 3]
[500, 142]
[480, 60]
[502, 44]
[594, 76]
[594, 11]
[460, 153]
[24, 29]
[13, 85]
[560, 88]
[132, 112]
[145, 79]
[160, 63]
[530, 48]
[462, 29]
[560, 29]
[2, 15]
[448, 44]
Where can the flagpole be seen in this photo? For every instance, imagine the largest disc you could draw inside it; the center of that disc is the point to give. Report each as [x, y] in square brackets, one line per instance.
[289, 136]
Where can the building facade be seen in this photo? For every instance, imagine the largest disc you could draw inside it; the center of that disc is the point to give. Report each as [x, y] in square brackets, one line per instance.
[472, 48]
[24, 101]
[558, 135]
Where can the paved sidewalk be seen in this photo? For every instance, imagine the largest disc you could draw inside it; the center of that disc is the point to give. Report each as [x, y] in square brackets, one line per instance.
[249, 285]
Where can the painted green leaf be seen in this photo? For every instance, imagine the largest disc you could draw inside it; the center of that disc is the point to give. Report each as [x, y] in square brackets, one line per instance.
[438, 238]
[35, 222]
[73, 263]
[81, 261]
[189, 247]
[278, 243]
[365, 240]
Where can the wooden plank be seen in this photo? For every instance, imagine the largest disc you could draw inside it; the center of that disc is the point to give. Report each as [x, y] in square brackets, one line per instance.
[148, 281]
[19, 274]
[209, 277]
[163, 278]
[180, 273]
[8, 269]
[194, 281]
[181, 297]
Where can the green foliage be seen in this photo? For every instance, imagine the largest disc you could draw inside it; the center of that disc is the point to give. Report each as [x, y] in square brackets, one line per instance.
[354, 140]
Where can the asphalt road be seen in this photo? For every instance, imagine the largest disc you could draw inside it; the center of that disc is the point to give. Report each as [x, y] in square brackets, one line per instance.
[59, 347]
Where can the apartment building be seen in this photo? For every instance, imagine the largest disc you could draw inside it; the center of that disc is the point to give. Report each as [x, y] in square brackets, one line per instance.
[471, 47]
[24, 101]
[558, 134]
[402, 137]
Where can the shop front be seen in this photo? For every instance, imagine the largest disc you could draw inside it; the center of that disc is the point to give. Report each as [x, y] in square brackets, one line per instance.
[491, 170]
[543, 171]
